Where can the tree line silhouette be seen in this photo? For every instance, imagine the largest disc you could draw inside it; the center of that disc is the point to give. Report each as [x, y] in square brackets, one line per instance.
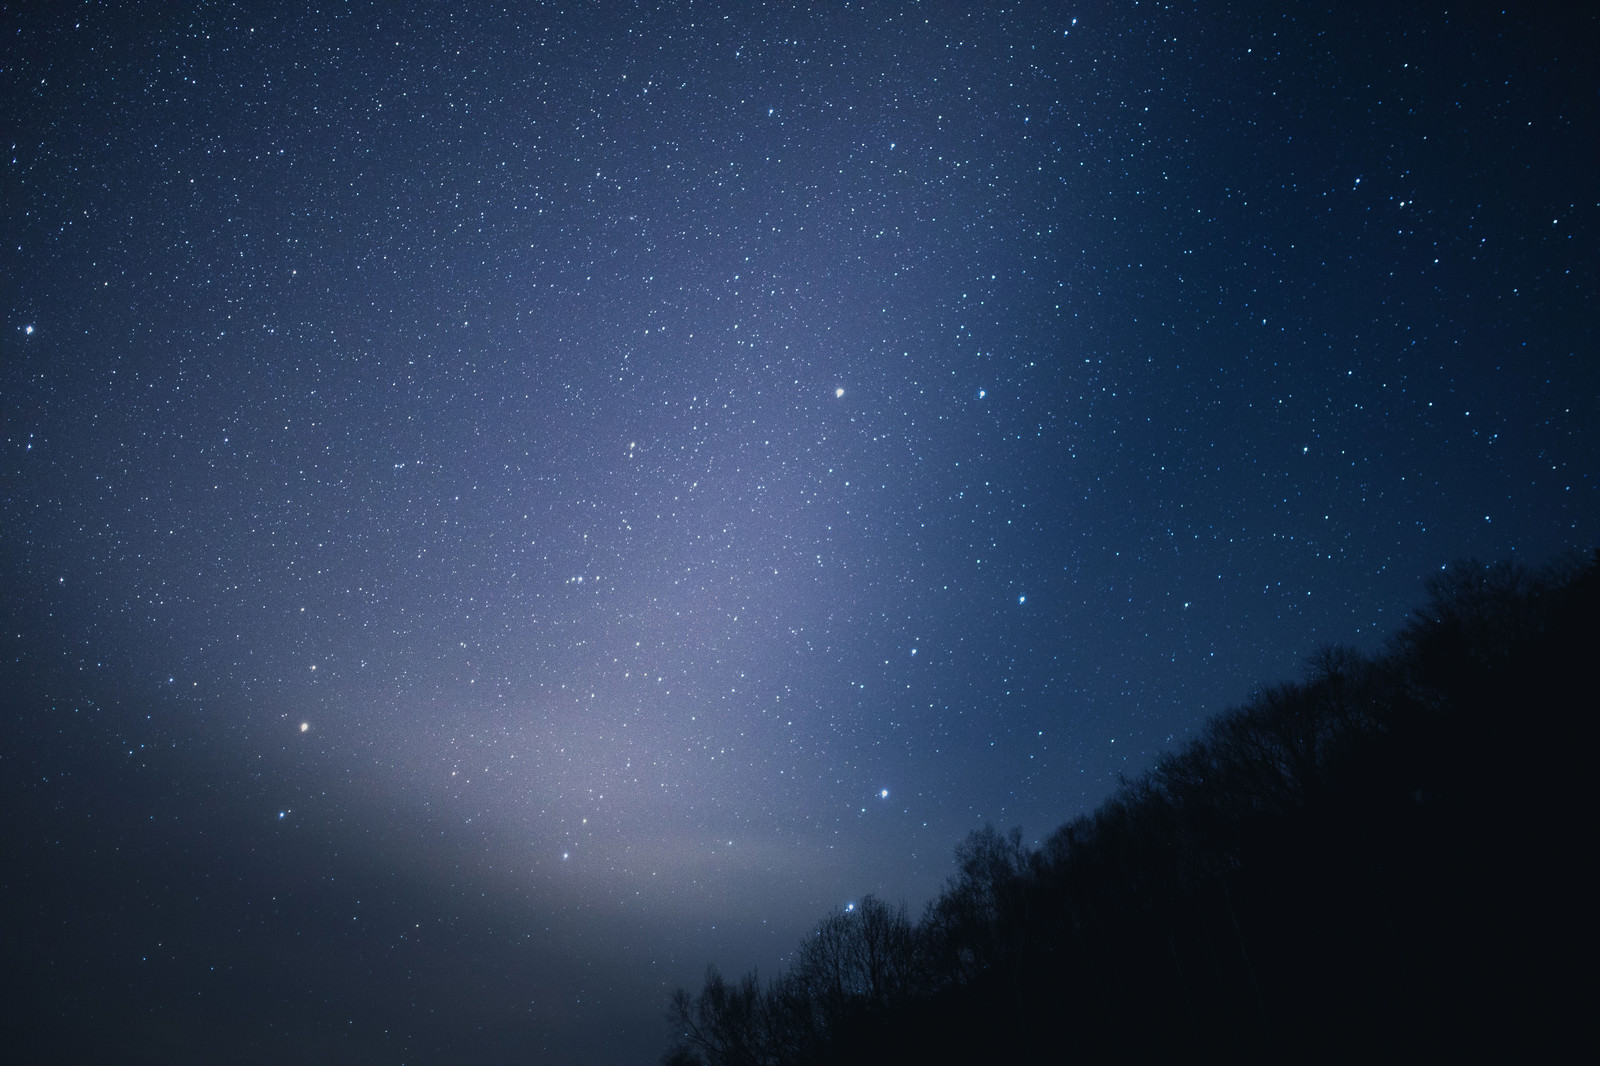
[1378, 861]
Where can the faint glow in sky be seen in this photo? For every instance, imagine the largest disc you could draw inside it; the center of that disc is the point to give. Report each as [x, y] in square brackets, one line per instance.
[555, 580]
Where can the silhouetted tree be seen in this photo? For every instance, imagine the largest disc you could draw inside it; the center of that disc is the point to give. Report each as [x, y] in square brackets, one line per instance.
[1379, 855]
[854, 961]
[976, 922]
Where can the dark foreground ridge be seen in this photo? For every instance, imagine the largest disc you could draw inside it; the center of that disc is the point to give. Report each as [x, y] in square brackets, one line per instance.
[1378, 861]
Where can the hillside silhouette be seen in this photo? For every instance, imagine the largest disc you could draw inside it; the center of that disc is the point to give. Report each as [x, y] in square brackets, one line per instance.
[1379, 861]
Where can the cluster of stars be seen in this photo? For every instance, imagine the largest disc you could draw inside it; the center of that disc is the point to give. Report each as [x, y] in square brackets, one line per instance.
[461, 385]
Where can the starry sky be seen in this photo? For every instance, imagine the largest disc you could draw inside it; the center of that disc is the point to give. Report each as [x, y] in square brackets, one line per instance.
[504, 504]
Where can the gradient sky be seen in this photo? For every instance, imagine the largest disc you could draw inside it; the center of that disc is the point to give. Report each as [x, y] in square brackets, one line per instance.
[503, 505]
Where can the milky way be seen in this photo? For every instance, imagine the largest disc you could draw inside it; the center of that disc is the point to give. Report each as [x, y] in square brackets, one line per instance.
[501, 508]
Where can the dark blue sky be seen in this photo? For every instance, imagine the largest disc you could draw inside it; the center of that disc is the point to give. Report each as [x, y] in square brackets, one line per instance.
[503, 505]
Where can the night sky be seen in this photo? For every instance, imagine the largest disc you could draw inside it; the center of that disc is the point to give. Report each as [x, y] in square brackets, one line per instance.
[503, 505]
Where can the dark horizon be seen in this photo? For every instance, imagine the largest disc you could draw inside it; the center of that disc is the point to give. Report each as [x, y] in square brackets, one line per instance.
[1306, 878]
[503, 508]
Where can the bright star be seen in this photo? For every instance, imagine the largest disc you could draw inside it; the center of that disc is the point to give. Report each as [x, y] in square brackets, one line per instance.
[883, 793]
[839, 392]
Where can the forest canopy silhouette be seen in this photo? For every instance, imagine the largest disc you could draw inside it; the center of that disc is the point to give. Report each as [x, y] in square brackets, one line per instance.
[1378, 859]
